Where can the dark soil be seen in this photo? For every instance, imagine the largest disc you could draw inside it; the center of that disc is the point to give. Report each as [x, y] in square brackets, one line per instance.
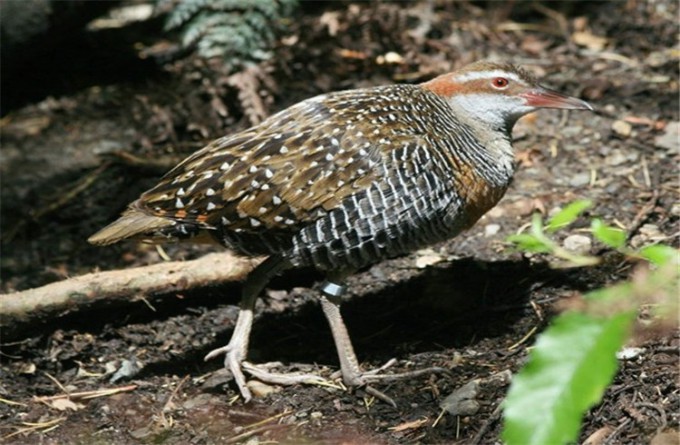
[71, 163]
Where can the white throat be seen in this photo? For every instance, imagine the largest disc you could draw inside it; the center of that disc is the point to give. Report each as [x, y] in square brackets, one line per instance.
[499, 113]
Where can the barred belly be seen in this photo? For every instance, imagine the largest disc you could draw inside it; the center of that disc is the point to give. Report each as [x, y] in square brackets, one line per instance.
[381, 222]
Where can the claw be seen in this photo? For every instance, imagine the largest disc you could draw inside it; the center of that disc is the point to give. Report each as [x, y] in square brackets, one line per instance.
[215, 352]
[380, 395]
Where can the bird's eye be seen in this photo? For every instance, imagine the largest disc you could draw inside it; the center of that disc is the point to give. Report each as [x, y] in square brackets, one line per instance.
[499, 82]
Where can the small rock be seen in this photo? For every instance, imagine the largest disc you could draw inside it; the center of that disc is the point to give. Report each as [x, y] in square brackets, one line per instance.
[651, 231]
[200, 400]
[668, 437]
[276, 294]
[127, 369]
[218, 378]
[27, 368]
[599, 436]
[390, 58]
[616, 158]
[427, 257]
[65, 404]
[502, 377]
[629, 353]
[260, 389]
[648, 233]
[670, 139]
[610, 109]
[571, 130]
[578, 244]
[622, 128]
[491, 229]
[580, 179]
[675, 209]
[316, 415]
[461, 402]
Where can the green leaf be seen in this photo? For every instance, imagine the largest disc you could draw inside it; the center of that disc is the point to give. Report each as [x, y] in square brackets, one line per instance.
[608, 235]
[569, 369]
[529, 243]
[567, 215]
[659, 254]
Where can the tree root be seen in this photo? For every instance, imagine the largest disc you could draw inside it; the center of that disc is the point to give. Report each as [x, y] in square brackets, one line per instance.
[20, 311]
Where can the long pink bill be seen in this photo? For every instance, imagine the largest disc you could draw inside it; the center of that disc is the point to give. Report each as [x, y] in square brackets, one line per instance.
[544, 98]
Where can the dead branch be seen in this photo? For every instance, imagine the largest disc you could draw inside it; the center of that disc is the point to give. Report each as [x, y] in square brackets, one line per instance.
[23, 309]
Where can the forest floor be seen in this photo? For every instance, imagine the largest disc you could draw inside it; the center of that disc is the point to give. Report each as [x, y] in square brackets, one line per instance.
[73, 159]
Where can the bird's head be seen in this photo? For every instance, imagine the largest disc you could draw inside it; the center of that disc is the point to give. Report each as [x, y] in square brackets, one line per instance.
[498, 93]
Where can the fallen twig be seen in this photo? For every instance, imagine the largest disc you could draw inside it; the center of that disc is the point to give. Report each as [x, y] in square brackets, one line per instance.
[643, 214]
[22, 309]
[86, 395]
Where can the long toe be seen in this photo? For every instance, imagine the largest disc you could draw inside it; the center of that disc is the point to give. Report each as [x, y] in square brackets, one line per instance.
[263, 374]
[362, 380]
[234, 362]
[375, 376]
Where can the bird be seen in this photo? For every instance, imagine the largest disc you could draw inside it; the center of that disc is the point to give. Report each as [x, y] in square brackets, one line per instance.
[340, 182]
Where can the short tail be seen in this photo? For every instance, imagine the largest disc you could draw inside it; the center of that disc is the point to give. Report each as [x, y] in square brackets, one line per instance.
[133, 224]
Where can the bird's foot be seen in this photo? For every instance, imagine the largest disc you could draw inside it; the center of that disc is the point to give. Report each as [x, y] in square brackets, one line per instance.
[235, 354]
[363, 379]
[234, 361]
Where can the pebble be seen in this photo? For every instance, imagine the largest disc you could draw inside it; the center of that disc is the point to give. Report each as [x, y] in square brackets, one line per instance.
[618, 158]
[427, 257]
[610, 109]
[260, 389]
[580, 179]
[491, 229]
[127, 369]
[648, 234]
[461, 402]
[629, 353]
[578, 244]
[571, 130]
[669, 437]
[599, 437]
[670, 139]
[675, 209]
[622, 128]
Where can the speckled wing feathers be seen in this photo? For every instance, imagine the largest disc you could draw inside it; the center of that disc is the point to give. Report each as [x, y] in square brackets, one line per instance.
[288, 171]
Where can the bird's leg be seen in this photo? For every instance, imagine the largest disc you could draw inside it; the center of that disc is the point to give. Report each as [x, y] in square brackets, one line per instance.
[237, 348]
[330, 304]
[349, 365]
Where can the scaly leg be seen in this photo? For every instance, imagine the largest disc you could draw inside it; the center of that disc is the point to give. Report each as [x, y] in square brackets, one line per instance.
[237, 349]
[349, 365]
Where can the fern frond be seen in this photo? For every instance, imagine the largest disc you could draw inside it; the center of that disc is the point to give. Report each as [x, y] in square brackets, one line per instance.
[239, 31]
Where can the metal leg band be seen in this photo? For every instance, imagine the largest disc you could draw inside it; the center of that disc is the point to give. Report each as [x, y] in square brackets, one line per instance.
[333, 289]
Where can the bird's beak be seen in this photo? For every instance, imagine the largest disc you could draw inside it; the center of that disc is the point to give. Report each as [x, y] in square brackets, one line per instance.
[544, 98]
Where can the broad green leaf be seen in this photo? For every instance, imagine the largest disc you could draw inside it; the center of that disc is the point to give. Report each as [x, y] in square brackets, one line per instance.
[529, 243]
[569, 369]
[567, 215]
[608, 235]
[659, 254]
